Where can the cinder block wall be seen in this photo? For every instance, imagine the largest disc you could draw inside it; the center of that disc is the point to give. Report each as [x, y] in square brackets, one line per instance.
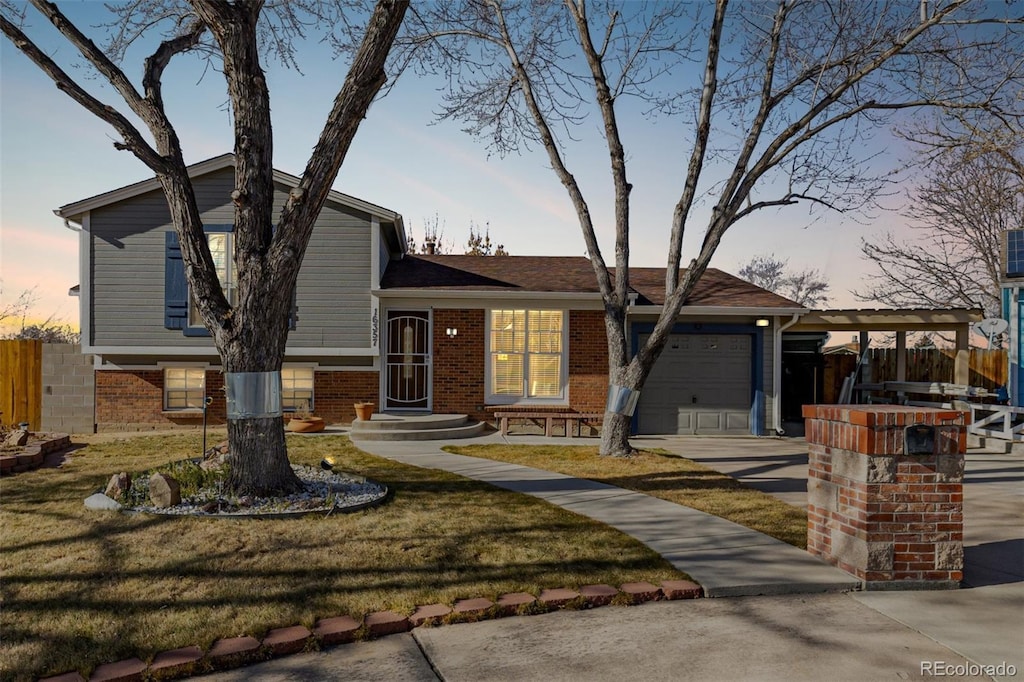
[68, 389]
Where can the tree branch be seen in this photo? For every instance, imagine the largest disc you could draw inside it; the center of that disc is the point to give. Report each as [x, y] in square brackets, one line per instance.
[133, 139]
[158, 61]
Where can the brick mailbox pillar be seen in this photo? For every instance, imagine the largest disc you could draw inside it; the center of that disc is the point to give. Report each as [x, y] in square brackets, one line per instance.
[885, 493]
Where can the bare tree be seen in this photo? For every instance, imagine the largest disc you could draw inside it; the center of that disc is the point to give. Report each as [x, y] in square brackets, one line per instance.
[968, 200]
[50, 330]
[786, 91]
[433, 237]
[480, 244]
[18, 309]
[807, 287]
[250, 335]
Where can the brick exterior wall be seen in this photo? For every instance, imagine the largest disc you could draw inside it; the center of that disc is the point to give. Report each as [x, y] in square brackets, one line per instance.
[335, 393]
[588, 361]
[458, 363]
[892, 519]
[133, 400]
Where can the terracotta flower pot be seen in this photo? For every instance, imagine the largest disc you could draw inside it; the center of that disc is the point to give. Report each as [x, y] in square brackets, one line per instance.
[305, 424]
[364, 411]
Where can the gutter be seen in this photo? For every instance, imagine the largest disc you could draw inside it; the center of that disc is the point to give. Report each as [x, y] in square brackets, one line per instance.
[777, 374]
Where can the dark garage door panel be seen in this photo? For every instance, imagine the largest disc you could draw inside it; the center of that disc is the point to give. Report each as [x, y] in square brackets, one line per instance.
[700, 384]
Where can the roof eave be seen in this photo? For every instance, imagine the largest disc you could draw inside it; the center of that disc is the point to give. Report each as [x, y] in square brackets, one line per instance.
[488, 293]
[718, 310]
[74, 211]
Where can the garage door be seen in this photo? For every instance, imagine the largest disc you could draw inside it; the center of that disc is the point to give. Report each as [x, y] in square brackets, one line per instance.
[700, 385]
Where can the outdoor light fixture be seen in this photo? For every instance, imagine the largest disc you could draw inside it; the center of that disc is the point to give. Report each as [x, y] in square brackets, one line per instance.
[452, 332]
[762, 322]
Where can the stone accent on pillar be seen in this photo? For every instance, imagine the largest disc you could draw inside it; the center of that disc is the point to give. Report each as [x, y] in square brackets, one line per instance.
[891, 518]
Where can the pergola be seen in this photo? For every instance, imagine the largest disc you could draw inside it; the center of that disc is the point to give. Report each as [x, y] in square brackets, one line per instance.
[863, 321]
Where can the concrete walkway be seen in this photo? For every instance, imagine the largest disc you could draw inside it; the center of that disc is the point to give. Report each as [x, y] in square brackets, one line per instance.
[725, 558]
[853, 636]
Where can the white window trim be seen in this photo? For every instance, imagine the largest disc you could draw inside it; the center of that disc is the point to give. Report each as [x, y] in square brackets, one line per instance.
[492, 399]
[166, 408]
[228, 291]
[312, 368]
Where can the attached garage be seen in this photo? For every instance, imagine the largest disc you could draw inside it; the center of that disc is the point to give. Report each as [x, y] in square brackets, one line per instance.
[701, 384]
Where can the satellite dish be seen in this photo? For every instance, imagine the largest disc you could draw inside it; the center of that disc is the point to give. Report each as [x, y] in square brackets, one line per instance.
[990, 328]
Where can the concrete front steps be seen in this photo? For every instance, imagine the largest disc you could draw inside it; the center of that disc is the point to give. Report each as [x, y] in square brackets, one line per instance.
[416, 427]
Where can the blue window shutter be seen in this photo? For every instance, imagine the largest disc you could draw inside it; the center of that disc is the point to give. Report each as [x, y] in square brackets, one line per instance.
[175, 286]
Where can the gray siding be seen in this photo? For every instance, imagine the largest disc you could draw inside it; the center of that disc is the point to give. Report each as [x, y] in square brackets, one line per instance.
[127, 264]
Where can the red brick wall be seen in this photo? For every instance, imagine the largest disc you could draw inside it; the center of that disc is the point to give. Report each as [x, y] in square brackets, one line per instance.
[588, 361]
[877, 512]
[132, 400]
[458, 363]
[334, 394]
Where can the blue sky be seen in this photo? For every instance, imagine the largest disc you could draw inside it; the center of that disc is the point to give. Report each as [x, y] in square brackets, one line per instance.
[52, 153]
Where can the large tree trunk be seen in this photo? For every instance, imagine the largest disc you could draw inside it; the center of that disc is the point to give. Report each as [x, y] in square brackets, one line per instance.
[259, 463]
[621, 372]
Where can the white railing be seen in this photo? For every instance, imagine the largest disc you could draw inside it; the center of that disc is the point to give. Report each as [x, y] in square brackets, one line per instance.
[997, 421]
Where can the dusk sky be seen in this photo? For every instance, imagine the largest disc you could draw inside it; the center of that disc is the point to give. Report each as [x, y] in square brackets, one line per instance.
[52, 153]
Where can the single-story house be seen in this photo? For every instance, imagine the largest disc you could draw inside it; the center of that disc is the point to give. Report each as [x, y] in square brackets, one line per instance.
[412, 333]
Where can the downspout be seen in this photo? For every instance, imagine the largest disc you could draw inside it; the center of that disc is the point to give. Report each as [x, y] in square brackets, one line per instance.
[777, 374]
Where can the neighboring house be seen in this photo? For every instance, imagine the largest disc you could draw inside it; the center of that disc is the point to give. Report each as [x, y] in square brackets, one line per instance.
[442, 334]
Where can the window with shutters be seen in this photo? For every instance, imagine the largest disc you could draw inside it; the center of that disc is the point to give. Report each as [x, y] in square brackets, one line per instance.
[526, 356]
[222, 250]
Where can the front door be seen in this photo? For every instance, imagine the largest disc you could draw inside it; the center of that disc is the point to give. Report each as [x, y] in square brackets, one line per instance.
[407, 376]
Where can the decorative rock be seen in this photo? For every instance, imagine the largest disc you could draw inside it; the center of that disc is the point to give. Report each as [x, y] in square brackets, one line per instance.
[15, 439]
[101, 501]
[598, 595]
[65, 677]
[119, 486]
[681, 589]
[164, 491]
[432, 613]
[337, 630]
[233, 652]
[284, 641]
[129, 670]
[472, 607]
[511, 603]
[641, 592]
[176, 663]
[215, 460]
[382, 623]
[557, 597]
[7, 463]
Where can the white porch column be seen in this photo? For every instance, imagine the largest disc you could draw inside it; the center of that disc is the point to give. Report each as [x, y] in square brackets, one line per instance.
[962, 363]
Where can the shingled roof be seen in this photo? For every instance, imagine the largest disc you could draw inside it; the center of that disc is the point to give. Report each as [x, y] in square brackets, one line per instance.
[564, 274]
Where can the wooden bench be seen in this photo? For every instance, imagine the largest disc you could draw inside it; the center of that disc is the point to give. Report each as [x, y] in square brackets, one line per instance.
[573, 420]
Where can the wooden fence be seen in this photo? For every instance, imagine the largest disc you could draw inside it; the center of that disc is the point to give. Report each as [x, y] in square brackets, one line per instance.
[988, 367]
[21, 382]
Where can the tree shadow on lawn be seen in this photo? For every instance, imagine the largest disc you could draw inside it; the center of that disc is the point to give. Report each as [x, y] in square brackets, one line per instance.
[105, 586]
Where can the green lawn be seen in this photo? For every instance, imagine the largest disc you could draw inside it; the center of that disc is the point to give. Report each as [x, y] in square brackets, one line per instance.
[80, 587]
[665, 476]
